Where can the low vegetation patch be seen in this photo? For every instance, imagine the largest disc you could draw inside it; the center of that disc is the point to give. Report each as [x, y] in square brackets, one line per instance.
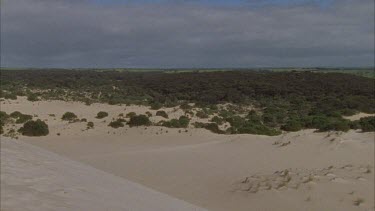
[130, 114]
[367, 124]
[90, 125]
[10, 96]
[182, 122]
[69, 116]
[202, 115]
[117, 123]
[20, 118]
[139, 120]
[334, 124]
[288, 100]
[162, 114]
[101, 115]
[32, 97]
[34, 128]
[156, 106]
[292, 125]
[3, 120]
[185, 106]
[213, 127]
[218, 120]
[251, 124]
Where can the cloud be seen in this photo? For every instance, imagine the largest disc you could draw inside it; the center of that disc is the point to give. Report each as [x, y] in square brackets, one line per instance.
[67, 33]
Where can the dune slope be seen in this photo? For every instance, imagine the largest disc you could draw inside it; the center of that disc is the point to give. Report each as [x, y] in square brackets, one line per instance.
[35, 179]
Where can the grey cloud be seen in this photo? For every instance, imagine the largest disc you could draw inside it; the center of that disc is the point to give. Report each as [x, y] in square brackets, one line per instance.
[60, 33]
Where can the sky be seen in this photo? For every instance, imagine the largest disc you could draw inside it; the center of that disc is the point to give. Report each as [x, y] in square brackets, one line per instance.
[187, 33]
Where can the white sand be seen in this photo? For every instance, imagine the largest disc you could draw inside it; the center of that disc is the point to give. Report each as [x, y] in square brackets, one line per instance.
[326, 171]
[358, 116]
[35, 179]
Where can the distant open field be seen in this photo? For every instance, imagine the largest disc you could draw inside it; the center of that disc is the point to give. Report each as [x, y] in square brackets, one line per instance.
[365, 72]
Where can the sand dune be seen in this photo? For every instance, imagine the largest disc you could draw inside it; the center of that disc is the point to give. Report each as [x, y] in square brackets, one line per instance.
[35, 179]
[294, 171]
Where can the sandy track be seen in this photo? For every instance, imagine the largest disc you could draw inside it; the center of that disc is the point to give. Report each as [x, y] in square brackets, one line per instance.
[35, 179]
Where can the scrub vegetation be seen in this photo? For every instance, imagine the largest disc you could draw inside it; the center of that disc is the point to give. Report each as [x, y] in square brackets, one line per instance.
[34, 128]
[257, 102]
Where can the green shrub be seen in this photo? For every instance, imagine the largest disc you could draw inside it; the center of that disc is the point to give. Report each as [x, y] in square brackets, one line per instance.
[15, 114]
[34, 128]
[199, 124]
[3, 115]
[185, 106]
[139, 120]
[69, 116]
[292, 125]
[20, 118]
[348, 112]
[90, 125]
[343, 125]
[327, 123]
[202, 115]
[101, 115]
[173, 123]
[32, 97]
[274, 116]
[130, 114]
[335, 124]
[162, 114]
[23, 118]
[10, 96]
[182, 122]
[250, 125]
[19, 93]
[367, 124]
[213, 107]
[315, 121]
[3, 118]
[189, 112]
[355, 125]
[213, 127]
[230, 130]
[1, 129]
[208, 111]
[117, 123]
[236, 121]
[254, 117]
[156, 106]
[226, 114]
[217, 120]
[258, 129]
